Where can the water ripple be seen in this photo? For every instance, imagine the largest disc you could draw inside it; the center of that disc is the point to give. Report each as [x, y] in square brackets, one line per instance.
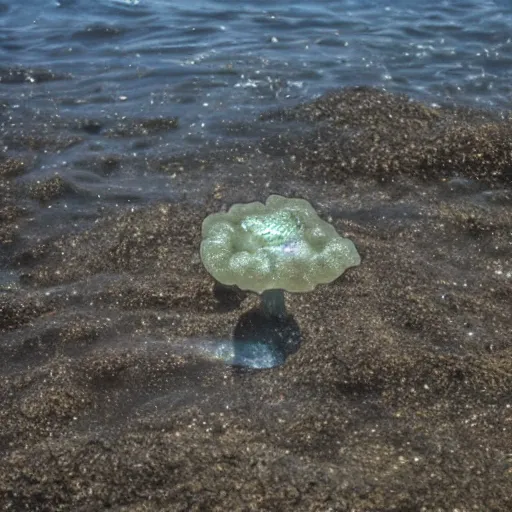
[428, 49]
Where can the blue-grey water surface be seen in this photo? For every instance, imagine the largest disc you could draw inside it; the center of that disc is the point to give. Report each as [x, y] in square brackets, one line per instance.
[200, 59]
[209, 62]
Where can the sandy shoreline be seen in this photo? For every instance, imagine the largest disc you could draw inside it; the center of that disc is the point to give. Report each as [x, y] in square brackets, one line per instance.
[399, 397]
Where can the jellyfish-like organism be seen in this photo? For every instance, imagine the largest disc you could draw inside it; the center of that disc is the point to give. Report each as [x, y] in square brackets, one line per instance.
[282, 245]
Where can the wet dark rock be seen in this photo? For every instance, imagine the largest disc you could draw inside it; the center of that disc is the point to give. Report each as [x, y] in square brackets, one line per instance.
[103, 164]
[11, 167]
[17, 75]
[229, 297]
[33, 140]
[10, 211]
[143, 127]
[16, 311]
[50, 189]
[91, 127]
[97, 31]
[9, 214]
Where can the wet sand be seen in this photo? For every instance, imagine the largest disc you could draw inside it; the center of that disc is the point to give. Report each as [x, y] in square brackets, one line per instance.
[400, 395]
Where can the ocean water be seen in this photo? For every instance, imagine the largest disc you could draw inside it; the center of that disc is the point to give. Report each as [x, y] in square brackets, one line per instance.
[204, 60]
[208, 63]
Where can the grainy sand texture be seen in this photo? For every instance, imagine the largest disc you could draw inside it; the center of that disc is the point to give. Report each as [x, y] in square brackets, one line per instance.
[400, 394]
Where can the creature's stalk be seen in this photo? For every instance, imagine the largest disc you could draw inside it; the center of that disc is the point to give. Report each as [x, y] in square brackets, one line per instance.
[272, 303]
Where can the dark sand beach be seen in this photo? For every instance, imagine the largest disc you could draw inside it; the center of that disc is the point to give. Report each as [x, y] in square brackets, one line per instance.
[400, 394]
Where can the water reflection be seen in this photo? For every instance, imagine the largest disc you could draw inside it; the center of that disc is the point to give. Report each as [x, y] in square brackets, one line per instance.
[258, 342]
